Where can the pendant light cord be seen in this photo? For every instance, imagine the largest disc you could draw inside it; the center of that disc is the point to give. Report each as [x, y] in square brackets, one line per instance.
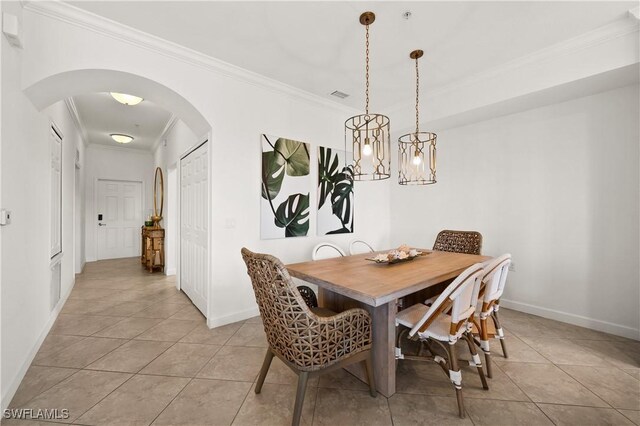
[367, 71]
[417, 98]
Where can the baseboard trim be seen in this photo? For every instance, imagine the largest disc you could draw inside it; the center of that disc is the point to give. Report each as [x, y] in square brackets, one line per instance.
[13, 387]
[579, 320]
[228, 319]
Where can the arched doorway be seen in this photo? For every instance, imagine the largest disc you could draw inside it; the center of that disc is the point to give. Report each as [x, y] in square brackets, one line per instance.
[68, 84]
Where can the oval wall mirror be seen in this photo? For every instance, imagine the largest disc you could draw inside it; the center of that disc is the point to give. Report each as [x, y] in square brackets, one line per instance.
[158, 197]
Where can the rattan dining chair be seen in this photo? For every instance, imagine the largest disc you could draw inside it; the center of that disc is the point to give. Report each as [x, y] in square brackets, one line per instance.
[326, 251]
[469, 242]
[359, 246]
[309, 344]
[432, 324]
[493, 282]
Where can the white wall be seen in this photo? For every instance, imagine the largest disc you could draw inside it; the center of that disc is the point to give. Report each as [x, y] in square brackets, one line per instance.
[25, 292]
[175, 143]
[557, 187]
[116, 163]
[239, 108]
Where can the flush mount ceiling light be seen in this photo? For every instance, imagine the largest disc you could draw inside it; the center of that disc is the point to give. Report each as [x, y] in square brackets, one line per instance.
[121, 138]
[366, 136]
[417, 151]
[125, 99]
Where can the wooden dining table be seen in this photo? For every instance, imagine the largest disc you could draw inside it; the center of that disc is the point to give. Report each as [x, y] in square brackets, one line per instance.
[353, 281]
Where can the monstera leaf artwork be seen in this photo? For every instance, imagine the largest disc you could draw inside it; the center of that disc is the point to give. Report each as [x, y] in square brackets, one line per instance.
[293, 215]
[285, 188]
[335, 193]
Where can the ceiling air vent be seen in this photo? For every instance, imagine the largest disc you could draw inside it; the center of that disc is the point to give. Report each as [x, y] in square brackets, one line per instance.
[339, 94]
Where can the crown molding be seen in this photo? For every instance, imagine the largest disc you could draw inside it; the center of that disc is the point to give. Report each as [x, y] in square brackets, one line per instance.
[73, 15]
[77, 121]
[167, 128]
[618, 28]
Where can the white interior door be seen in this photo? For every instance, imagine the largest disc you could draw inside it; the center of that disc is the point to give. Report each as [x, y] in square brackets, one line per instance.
[194, 217]
[119, 218]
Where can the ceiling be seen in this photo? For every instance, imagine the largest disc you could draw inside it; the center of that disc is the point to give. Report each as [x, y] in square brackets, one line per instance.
[319, 46]
[101, 115]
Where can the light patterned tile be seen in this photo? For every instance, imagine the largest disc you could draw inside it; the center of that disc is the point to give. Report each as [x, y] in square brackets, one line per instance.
[82, 325]
[169, 330]
[273, 406]
[348, 407]
[234, 363]
[138, 401]
[614, 386]
[491, 412]
[37, 380]
[182, 359]
[128, 328]
[214, 336]
[549, 384]
[205, 401]
[79, 392]
[573, 415]
[130, 357]
[82, 353]
[250, 334]
[425, 410]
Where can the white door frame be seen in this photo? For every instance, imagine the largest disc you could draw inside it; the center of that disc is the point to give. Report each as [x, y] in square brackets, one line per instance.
[172, 221]
[95, 207]
[201, 141]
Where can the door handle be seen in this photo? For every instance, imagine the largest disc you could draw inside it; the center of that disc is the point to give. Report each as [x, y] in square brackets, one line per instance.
[102, 224]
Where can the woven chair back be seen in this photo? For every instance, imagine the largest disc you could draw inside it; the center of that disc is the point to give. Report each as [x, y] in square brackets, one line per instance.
[282, 308]
[468, 242]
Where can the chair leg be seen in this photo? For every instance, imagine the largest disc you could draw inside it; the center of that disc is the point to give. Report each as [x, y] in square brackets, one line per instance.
[268, 357]
[302, 388]
[476, 359]
[499, 330]
[456, 377]
[368, 365]
[484, 345]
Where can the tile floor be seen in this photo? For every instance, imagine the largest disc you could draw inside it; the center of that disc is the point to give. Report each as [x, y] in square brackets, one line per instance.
[130, 349]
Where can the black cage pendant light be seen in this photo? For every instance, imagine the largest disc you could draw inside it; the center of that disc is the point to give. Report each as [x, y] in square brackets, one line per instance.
[417, 151]
[366, 136]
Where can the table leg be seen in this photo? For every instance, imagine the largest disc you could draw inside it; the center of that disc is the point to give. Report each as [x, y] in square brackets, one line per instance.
[384, 338]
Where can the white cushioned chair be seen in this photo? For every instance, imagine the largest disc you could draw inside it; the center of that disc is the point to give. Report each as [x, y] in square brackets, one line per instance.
[326, 251]
[359, 247]
[493, 281]
[432, 324]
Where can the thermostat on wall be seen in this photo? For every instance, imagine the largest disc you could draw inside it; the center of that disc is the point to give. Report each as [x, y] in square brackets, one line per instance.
[5, 217]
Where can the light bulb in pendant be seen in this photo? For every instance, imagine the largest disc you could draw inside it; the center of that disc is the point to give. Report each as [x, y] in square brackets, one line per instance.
[416, 159]
[366, 149]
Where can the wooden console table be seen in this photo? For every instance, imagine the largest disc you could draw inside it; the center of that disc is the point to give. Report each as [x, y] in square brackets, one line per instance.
[152, 248]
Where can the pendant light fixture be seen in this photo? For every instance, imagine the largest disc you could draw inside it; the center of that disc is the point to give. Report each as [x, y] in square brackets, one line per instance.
[417, 151]
[366, 136]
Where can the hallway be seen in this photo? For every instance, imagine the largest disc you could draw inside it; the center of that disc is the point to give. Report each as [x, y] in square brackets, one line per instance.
[128, 348]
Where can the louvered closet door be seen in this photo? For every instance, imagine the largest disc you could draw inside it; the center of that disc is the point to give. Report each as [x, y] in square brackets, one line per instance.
[194, 230]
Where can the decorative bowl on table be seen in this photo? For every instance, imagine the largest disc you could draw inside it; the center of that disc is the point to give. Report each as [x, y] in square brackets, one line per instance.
[403, 253]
